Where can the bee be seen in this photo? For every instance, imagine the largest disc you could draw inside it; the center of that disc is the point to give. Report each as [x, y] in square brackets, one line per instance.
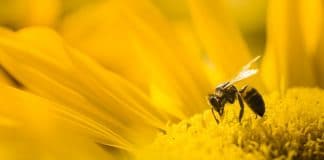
[228, 93]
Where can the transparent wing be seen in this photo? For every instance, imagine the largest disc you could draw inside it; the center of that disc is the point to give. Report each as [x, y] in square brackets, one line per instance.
[243, 75]
[245, 72]
[248, 65]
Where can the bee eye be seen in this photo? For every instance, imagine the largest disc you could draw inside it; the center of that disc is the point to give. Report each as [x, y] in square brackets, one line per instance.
[213, 100]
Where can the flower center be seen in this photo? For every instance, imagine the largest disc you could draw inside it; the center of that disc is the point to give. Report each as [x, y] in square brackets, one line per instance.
[292, 127]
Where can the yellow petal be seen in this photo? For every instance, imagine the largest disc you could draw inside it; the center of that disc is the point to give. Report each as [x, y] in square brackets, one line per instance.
[286, 62]
[249, 14]
[18, 13]
[108, 43]
[219, 35]
[40, 117]
[73, 5]
[186, 35]
[175, 72]
[7, 122]
[319, 56]
[319, 64]
[42, 12]
[155, 59]
[174, 10]
[310, 12]
[5, 77]
[16, 144]
[11, 12]
[56, 71]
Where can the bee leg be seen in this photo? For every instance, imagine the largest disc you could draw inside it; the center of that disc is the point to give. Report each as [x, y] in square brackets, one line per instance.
[217, 121]
[239, 97]
[243, 89]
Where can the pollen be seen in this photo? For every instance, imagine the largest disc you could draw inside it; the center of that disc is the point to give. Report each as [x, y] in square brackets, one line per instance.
[292, 128]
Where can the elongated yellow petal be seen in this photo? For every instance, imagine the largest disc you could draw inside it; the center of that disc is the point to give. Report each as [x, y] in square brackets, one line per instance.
[7, 122]
[154, 59]
[183, 71]
[174, 10]
[319, 55]
[310, 12]
[187, 37]
[19, 145]
[249, 14]
[18, 13]
[219, 35]
[35, 72]
[97, 97]
[42, 12]
[32, 127]
[286, 62]
[5, 77]
[125, 92]
[319, 64]
[108, 43]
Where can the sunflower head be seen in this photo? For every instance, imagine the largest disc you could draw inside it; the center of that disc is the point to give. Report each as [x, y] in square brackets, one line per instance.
[281, 133]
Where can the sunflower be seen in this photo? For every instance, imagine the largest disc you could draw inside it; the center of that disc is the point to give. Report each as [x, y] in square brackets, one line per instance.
[124, 80]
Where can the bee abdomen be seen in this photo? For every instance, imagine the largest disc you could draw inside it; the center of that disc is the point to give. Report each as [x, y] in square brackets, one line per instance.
[254, 100]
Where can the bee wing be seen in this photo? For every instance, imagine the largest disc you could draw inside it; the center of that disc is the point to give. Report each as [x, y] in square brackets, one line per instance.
[243, 75]
[248, 65]
[245, 72]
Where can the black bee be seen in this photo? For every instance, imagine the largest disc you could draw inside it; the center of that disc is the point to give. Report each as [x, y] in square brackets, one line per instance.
[228, 93]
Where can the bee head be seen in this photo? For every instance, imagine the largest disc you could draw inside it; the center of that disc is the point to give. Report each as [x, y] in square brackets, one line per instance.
[219, 91]
[216, 103]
